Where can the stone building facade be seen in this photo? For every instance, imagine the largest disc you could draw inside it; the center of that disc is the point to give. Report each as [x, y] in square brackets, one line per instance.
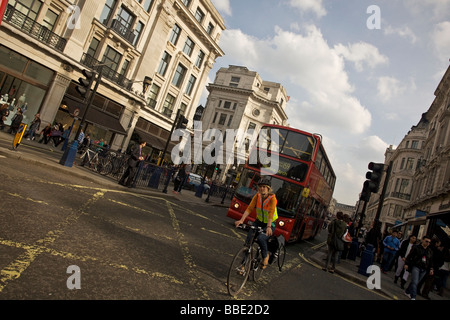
[46, 44]
[240, 100]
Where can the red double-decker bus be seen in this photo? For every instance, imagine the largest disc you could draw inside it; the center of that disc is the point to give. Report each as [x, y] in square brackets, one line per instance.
[303, 181]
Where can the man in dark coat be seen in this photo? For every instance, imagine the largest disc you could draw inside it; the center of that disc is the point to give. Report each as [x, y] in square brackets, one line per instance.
[16, 121]
[135, 158]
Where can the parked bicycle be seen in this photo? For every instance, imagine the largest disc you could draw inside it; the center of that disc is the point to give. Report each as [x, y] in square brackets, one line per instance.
[115, 164]
[248, 260]
[93, 160]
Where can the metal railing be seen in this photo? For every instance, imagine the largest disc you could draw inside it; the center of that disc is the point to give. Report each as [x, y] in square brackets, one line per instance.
[107, 72]
[34, 29]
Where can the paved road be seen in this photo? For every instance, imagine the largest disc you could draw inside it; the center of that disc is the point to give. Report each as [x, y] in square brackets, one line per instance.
[130, 245]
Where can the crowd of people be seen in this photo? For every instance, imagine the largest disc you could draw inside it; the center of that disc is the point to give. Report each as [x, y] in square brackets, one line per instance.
[425, 263]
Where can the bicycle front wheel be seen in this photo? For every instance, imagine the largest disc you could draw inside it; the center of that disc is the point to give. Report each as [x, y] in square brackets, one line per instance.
[281, 256]
[239, 271]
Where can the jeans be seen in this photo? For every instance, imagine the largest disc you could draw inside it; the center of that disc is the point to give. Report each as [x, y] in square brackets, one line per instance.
[388, 256]
[332, 257]
[416, 275]
[262, 237]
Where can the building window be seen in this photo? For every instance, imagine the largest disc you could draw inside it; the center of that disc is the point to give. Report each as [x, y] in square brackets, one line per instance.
[188, 47]
[186, 3]
[183, 108]
[222, 119]
[124, 68]
[175, 34]
[107, 11]
[179, 76]
[215, 117]
[138, 32]
[93, 47]
[190, 85]
[227, 105]
[148, 5]
[125, 18]
[151, 100]
[415, 144]
[200, 57]
[199, 15]
[164, 64]
[30, 8]
[50, 20]
[210, 28]
[229, 120]
[168, 105]
[111, 58]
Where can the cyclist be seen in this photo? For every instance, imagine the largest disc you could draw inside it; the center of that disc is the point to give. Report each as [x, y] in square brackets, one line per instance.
[265, 203]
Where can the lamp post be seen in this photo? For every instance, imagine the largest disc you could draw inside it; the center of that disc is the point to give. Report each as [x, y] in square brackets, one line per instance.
[70, 153]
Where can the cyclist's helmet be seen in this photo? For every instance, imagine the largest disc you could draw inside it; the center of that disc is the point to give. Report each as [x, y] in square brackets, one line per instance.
[264, 182]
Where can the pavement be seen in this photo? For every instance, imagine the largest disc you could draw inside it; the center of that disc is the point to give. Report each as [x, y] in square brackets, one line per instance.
[349, 269]
[48, 155]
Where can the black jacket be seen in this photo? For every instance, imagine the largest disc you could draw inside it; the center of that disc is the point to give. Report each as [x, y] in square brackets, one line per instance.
[420, 257]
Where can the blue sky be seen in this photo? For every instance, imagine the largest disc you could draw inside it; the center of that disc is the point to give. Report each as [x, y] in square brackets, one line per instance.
[361, 88]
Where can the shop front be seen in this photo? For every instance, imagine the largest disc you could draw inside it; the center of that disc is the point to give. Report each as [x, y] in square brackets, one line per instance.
[23, 84]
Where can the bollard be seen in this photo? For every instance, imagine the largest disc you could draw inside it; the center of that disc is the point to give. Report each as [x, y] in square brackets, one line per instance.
[354, 247]
[199, 190]
[153, 182]
[169, 177]
[366, 260]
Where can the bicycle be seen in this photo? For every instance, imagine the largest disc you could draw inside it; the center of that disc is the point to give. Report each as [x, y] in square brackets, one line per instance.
[115, 164]
[248, 260]
[91, 157]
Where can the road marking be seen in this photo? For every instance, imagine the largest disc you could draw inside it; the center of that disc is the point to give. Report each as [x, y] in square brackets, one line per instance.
[15, 269]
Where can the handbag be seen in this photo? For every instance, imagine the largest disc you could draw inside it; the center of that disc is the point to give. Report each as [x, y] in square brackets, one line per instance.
[346, 237]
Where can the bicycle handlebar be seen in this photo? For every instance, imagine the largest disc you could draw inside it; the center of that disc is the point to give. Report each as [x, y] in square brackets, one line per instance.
[246, 227]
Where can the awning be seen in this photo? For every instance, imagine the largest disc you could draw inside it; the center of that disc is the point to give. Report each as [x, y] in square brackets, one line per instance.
[104, 120]
[94, 116]
[153, 141]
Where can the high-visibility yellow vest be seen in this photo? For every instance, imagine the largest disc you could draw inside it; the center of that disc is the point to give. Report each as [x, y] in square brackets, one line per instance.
[262, 209]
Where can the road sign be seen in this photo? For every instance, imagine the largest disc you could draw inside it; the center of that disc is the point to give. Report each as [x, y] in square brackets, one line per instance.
[19, 135]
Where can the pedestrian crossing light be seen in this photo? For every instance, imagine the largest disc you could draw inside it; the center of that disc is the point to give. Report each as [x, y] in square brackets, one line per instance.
[84, 84]
[374, 177]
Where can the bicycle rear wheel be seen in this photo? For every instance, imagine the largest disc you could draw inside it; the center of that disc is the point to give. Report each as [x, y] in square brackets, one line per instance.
[105, 165]
[238, 272]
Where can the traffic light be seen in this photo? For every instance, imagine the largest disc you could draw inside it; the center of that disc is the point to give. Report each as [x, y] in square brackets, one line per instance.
[182, 122]
[365, 193]
[374, 177]
[84, 84]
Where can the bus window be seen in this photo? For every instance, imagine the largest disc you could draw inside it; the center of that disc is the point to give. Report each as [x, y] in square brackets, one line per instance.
[287, 196]
[248, 184]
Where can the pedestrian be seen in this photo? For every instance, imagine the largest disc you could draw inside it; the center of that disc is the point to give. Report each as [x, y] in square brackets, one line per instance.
[344, 253]
[45, 134]
[16, 121]
[336, 230]
[34, 127]
[418, 263]
[438, 260]
[133, 162]
[442, 274]
[391, 245]
[405, 249]
[179, 179]
[4, 113]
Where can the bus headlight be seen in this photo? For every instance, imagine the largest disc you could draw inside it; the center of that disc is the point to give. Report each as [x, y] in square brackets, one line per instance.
[281, 223]
[236, 205]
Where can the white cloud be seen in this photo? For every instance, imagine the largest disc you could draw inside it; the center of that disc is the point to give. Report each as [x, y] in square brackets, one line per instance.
[389, 88]
[404, 32]
[223, 6]
[323, 97]
[361, 54]
[441, 40]
[315, 6]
